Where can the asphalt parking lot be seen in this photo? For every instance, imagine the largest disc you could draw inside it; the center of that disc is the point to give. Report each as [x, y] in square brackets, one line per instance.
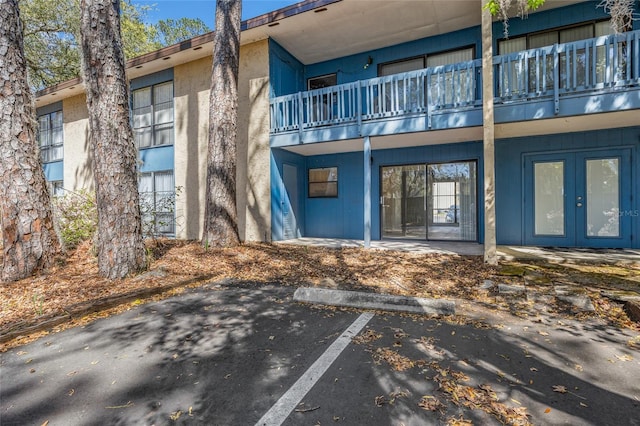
[243, 355]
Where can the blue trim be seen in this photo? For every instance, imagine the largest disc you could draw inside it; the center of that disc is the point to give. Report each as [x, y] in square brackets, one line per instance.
[53, 171]
[157, 159]
[48, 109]
[151, 79]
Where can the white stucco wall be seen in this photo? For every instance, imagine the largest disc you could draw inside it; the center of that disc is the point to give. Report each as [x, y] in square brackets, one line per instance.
[77, 164]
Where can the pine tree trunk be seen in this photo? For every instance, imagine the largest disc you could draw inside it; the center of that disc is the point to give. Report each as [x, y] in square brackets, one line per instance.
[119, 242]
[29, 239]
[220, 221]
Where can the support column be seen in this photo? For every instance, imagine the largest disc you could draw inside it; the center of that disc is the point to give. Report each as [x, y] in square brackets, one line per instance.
[490, 255]
[367, 192]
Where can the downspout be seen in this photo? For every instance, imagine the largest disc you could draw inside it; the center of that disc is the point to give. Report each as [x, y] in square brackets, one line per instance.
[488, 144]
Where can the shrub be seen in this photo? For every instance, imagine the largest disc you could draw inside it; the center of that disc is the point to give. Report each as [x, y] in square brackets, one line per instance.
[76, 217]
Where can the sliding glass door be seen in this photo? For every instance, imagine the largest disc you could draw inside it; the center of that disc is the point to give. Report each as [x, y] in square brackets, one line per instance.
[430, 201]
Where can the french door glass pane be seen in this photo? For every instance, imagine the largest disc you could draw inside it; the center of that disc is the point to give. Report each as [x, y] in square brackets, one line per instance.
[452, 201]
[549, 198]
[403, 202]
[603, 198]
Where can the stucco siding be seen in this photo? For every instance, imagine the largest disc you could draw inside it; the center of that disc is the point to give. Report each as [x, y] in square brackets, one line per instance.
[191, 97]
[253, 184]
[78, 173]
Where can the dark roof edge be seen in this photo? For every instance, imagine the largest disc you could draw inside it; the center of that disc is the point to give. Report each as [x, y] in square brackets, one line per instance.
[264, 19]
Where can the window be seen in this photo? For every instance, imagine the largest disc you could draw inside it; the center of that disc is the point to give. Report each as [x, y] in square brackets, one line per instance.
[445, 87]
[322, 81]
[50, 136]
[55, 188]
[157, 203]
[153, 115]
[321, 105]
[549, 38]
[323, 182]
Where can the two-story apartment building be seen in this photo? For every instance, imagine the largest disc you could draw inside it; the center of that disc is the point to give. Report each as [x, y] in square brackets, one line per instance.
[365, 120]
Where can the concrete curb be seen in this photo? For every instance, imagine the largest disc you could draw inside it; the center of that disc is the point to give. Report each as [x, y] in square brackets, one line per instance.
[384, 302]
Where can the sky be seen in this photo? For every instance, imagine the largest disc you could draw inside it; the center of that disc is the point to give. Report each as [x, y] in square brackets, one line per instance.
[205, 9]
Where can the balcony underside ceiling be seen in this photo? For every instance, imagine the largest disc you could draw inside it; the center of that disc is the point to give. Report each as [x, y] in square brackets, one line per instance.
[346, 27]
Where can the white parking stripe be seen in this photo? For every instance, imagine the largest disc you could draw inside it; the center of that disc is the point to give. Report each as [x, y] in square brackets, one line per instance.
[287, 402]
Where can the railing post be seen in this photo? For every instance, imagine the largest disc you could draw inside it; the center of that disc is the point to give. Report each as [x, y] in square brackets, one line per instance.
[428, 97]
[359, 106]
[300, 117]
[556, 80]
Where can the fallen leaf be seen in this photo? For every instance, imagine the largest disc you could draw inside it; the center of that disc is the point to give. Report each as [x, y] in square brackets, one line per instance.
[380, 401]
[559, 388]
[431, 403]
[175, 415]
[71, 392]
[543, 333]
[46, 422]
[533, 369]
[547, 411]
[624, 357]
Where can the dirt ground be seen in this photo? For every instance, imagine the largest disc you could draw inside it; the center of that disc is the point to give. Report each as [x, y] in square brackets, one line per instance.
[73, 286]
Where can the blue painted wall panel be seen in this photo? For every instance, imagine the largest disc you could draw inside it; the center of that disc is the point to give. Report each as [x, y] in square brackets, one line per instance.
[286, 73]
[53, 171]
[279, 157]
[340, 217]
[48, 109]
[509, 175]
[351, 68]
[343, 217]
[155, 78]
[156, 159]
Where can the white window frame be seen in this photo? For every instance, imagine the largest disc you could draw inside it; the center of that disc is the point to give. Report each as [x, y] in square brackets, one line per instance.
[50, 149]
[153, 211]
[152, 126]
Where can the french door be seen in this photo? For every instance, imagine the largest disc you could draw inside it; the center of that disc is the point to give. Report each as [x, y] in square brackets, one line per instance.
[578, 199]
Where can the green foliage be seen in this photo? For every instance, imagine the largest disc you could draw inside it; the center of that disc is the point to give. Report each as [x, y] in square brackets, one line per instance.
[501, 9]
[50, 40]
[496, 7]
[76, 217]
[138, 37]
[170, 31]
[52, 34]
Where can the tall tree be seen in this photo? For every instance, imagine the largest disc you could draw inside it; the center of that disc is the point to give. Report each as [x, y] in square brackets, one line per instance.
[52, 34]
[172, 31]
[29, 240]
[119, 242]
[220, 218]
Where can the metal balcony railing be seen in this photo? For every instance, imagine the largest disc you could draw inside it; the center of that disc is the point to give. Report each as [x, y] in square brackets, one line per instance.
[584, 66]
[598, 64]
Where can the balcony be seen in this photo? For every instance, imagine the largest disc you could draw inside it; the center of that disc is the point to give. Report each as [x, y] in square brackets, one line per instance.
[584, 77]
